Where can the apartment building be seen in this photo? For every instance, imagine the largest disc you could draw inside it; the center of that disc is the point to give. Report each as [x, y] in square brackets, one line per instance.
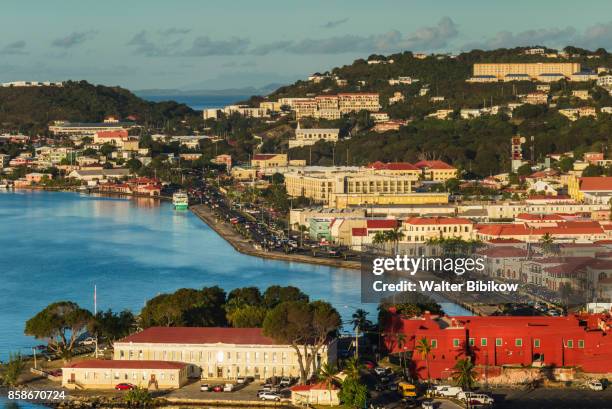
[530, 70]
[355, 102]
[51, 155]
[217, 353]
[307, 137]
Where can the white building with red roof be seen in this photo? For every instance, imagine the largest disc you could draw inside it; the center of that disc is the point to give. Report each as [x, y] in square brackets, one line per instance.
[422, 229]
[217, 353]
[106, 374]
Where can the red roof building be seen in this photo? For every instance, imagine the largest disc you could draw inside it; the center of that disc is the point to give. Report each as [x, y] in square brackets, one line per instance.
[581, 341]
[200, 335]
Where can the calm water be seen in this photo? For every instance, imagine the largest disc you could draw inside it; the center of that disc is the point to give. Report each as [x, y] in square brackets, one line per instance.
[57, 246]
[5, 404]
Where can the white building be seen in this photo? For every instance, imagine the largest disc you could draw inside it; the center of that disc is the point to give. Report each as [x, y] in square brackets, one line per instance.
[307, 137]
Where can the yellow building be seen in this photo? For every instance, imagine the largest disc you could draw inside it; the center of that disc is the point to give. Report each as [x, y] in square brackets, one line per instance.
[436, 170]
[341, 201]
[218, 353]
[240, 173]
[321, 185]
[533, 70]
[269, 160]
[105, 374]
[307, 137]
[421, 229]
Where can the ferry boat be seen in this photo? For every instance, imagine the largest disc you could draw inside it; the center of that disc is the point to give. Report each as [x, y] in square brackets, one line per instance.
[180, 201]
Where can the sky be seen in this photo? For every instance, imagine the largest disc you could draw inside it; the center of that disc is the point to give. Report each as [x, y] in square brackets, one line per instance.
[205, 44]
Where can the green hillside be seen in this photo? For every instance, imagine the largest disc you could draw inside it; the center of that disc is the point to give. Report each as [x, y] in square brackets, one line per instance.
[30, 109]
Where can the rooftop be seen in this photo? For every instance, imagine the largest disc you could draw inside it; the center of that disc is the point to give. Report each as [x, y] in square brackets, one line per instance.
[200, 335]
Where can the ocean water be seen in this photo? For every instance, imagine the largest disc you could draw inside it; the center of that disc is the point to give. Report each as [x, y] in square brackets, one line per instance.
[56, 246]
[199, 102]
[6, 404]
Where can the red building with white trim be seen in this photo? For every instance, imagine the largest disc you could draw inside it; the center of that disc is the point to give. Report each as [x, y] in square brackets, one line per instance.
[581, 341]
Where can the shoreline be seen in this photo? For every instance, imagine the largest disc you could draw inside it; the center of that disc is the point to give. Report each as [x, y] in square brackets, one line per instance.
[243, 246]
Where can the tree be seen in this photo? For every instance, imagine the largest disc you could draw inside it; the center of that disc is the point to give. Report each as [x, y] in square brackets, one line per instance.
[360, 322]
[592, 170]
[305, 326]
[464, 373]
[380, 238]
[61, 324]
[353, 393]
[112, 326]
[524, 170]
[12, 369]
[134, 165]
[548, 244]
[565, 164]
[394, 236]
[247, 316]
[423, 347]
[327, 375]
[138, 398]
[277, 294]
[352, 368]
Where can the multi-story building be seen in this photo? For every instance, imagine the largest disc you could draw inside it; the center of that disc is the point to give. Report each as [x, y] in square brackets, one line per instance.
[535, 98]
[52, 156]
[580, 340]
[436, 170]
[397, 169]
[87, 129]
[422, 229]
[596, 190]
[113, 137]
[605, 81]
[307, 137]
[218, 353]
[269, 160]
[355, 102]
[531, 70]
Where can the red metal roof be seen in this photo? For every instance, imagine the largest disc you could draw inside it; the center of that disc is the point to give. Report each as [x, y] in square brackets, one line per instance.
[359, 231]
[437, 220]
[201, 335]
[433, 164]
[382, 224]
[119, 133]
[119, 364]
[264, 156]
[603, 183]
[392, 166]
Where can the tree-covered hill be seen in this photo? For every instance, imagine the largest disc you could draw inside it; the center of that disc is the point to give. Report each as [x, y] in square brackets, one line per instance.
[30, 109]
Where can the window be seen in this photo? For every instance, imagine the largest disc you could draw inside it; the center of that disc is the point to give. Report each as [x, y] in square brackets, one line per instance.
[121, 354]
[456, 342]
[570, 343]
[434, 343]
[483, 342]
[581, 343]
[472, 342]
[536, 343]
[498, 342]
[518, 342]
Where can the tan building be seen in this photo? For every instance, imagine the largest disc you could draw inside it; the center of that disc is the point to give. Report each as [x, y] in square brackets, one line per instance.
[105, 374]
[321, 185]
[355, 102]
[240, 173]
[217, 353]
[269, 160]
[342, 201]
[307, 137]
[532, 70]
[421, 229]
[436, 170]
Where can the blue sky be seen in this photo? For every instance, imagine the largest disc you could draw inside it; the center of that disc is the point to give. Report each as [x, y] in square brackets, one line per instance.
[222, 44]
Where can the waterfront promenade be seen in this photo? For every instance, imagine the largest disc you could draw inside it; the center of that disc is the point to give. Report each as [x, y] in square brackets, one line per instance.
[243, 246]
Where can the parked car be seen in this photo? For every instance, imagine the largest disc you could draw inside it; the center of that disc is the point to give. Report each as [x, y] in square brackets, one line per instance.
[595, 385]
[124, 386]
[269, 396]
[205, 387]
[428, 404]
[229, 387]
[285, 382]
[448, 391]
[380, 370]
[217, 388]
[475, 398]
[241, 380]
[392, 386]
[88, 341]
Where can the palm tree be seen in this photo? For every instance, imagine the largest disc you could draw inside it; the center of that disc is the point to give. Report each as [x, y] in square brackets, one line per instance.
[423, 347]
[327, 374]
[394, 236]
[401, 342]
[360, 321]
[352, 368]
[379, 238]
[464, 373]
[548, 244]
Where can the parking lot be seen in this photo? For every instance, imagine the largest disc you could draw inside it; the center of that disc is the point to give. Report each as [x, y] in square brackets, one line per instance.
[243, 392]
